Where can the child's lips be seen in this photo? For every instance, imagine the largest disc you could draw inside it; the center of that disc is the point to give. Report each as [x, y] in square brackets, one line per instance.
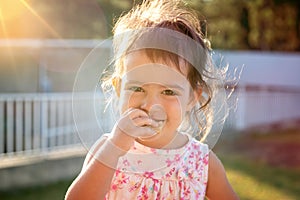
[158, 128]
[158, 115]
[160, 125]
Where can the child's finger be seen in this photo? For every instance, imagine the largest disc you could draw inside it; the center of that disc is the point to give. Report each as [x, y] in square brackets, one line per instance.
[144, 121]
[132, 120]
[135, 131]
[140, 118]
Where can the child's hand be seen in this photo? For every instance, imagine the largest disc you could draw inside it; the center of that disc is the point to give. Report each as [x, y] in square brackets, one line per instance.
[134, 123]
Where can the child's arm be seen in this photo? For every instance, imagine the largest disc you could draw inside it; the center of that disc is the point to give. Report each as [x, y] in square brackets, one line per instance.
[101, 162]
[95, 178]
[218, 186]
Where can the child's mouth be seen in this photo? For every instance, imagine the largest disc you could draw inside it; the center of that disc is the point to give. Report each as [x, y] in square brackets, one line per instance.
[157, 128]
[158, 114]
[160, 126]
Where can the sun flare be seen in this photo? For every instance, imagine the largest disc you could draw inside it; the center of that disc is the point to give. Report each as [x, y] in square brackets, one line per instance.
[11, 9]
[12, 13]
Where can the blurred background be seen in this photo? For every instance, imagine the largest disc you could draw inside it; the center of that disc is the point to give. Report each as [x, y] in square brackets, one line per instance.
[43, 44]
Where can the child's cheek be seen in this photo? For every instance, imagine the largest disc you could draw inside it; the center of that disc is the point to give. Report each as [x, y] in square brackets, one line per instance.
[181, 106]
[128, 99]
[123, 101]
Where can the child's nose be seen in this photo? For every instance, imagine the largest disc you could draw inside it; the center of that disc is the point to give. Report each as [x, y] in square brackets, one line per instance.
[148, 101]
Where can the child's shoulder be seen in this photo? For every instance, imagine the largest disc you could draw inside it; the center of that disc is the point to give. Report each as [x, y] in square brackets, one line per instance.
[196, 144]
[93, 150]
[195, 147]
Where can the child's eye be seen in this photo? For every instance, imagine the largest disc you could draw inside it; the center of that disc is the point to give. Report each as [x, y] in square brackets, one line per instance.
[136, 89]
[169, 93]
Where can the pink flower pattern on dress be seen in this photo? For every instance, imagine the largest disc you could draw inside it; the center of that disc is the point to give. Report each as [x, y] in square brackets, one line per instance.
[184, 175]
[148, 174]
[119, 180]
[126, 163]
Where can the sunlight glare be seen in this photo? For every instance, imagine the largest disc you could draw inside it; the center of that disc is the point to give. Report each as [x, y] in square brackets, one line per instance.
[10, 53]
[44, 22]
[10, 9]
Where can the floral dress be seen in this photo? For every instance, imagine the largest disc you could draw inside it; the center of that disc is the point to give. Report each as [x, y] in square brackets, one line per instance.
[147, 173]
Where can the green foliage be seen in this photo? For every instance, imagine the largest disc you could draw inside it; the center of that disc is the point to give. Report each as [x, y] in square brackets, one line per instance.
[225, 29]
[113, 9]
[237, 24]
[251, 24]
[273, 26]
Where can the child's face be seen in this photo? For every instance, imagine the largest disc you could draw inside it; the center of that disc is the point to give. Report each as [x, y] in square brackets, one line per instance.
[159, 89]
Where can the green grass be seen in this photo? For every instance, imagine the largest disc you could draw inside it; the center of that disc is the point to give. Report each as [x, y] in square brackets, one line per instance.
[258, 181]
[55, 191]
[251, 180]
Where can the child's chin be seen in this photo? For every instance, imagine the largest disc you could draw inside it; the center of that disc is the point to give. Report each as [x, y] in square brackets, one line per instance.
[151, 138]
[155, 135]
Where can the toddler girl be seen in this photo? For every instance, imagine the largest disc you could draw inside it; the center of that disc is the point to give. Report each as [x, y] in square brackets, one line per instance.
[164, 84]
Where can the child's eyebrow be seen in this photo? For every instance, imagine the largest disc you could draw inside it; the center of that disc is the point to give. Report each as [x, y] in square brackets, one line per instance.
[175, 86]
[171, 86]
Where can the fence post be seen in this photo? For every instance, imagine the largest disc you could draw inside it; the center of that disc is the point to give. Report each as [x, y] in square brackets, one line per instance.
[60, 124]
[9, 125]
[240, 110]
[52, 122]
[19, 124]
[68, 121]
[1, 125]
[28, 124]
[44, 123]
[36, 123]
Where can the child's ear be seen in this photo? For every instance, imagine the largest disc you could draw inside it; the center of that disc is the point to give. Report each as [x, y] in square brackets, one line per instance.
[116, 82]
[195, 96]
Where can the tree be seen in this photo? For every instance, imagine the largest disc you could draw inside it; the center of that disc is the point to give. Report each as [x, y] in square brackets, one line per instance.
[252, 24]
[273, 25]
[113, 9]
[226, 30]
[238, 24]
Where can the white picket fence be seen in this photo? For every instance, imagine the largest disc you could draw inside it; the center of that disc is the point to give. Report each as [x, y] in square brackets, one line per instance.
[263, 106]
[24, 122]
[38, 123]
